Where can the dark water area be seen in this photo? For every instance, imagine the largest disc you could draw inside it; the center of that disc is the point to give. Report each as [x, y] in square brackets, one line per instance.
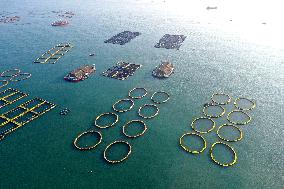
[41, 154]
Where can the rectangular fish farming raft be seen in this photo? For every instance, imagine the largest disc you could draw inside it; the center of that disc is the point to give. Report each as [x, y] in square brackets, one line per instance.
[123, 37]
[10, 96]
[122, 70]
[23, 114]
[54, 54]
[170, 41]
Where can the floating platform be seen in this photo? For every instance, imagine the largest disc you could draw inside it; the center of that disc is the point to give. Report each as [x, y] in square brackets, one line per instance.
[81, 73]
[123, 37]
[9, 19]
[14, 75]
[23, 114]
[60, 23]
[164, 70]
[54, 54]
[171, 41]
[122, 70]
[9, 96]
[3, 83]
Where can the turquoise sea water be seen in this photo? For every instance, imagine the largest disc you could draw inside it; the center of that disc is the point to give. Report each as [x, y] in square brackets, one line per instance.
[41, 154]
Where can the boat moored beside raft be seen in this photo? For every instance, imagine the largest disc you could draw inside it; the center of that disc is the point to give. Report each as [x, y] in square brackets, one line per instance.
[81, 73]
[164, 70]
[60, 23]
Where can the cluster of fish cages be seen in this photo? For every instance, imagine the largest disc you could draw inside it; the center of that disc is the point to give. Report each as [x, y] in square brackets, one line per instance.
[170, 41]
[123, 37]
[122, 70]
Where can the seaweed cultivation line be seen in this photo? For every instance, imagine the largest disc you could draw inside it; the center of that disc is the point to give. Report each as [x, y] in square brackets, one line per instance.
[10, 96]
[54, 54]
[24, 114]
[219, 100]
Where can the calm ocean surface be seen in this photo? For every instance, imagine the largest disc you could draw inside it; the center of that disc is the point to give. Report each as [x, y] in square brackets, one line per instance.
[41, 154]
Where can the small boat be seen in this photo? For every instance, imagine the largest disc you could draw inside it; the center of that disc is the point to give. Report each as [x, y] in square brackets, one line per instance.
[211, 8]
[92, 54]
[60, 23]
[81, 73]
[164, 70]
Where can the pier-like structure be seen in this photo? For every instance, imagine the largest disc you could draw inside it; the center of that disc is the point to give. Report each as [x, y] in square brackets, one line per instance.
[23, 114]
[54, 54]
[9, 96]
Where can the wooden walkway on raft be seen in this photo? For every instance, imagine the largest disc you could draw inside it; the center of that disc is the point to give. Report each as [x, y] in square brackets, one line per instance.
[9, 96]
[54, 54]
[23, 114]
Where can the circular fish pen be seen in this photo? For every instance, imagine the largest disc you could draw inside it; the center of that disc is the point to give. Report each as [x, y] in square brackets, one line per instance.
[148, 105]
[234, 161]
[203, 118]
[160, 93]
[182, 144]
[119, 160]
[237, 105]
[114, 106]
[207, 114]
[137, 89]
[222, 102]
[229, 117]
[88, 147]
[137, 135]
[103, 115]
[232, 126]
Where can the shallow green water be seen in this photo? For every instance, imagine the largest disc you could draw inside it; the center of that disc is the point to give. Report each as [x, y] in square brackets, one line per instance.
[41, 154]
